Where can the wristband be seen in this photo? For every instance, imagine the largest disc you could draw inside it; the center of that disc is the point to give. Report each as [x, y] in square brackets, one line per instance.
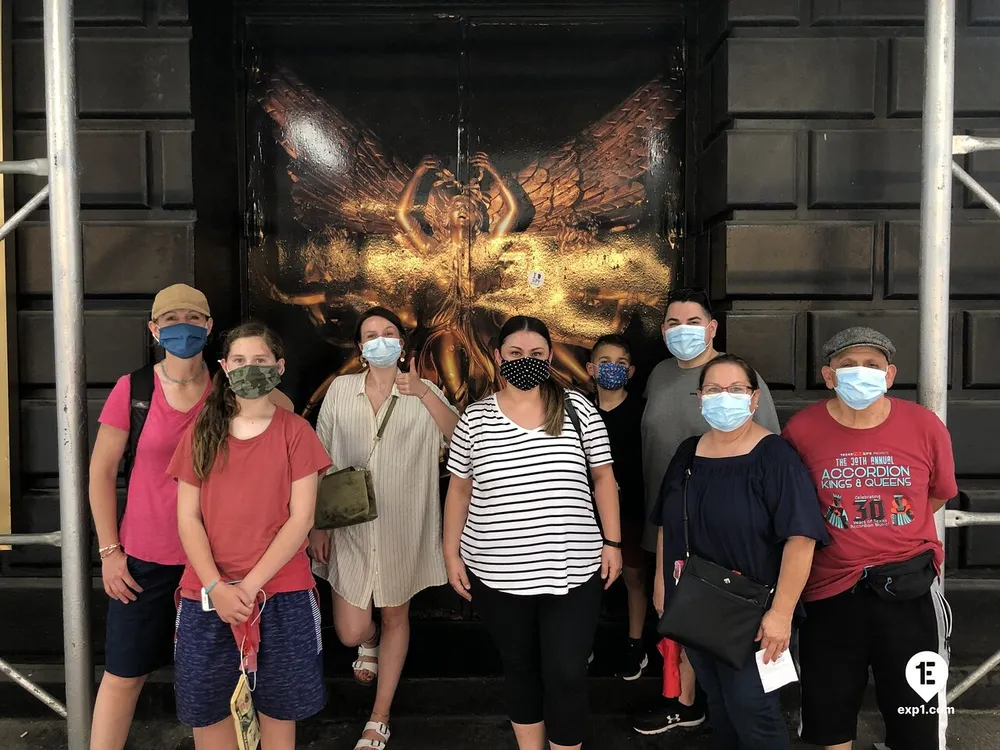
[613, 545]
[212, 585]
[106, 552]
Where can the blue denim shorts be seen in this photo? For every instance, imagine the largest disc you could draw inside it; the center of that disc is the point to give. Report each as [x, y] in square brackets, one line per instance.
[289, 681]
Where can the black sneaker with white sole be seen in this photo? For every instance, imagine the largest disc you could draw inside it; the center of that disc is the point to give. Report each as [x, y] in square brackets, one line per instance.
[667, 714]
[634, 661]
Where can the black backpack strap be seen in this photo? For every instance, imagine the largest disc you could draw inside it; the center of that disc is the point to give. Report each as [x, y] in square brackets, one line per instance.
[140, 397]
[574, 417]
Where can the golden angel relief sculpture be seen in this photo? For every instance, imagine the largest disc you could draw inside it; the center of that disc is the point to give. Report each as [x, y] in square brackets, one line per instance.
[574, 238]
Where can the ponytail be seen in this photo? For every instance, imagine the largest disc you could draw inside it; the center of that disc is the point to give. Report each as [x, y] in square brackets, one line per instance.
[553, 402]
[212, 426]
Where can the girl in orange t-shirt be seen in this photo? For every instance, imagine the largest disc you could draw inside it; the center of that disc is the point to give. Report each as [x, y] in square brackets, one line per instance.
[247, 479]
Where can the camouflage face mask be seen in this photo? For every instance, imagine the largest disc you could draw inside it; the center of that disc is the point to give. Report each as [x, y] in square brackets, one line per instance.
[254, 381]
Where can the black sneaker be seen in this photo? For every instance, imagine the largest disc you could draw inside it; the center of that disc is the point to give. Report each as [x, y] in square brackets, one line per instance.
[634, 661]
[667, 714]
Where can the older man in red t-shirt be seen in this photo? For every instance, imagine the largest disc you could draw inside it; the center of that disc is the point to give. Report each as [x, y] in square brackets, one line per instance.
[882, 467]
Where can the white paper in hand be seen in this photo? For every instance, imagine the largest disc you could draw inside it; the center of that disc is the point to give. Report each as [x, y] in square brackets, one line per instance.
[776, 674]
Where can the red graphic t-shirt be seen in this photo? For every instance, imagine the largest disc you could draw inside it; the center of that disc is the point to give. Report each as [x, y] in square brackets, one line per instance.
[875, 487]
[245, 499]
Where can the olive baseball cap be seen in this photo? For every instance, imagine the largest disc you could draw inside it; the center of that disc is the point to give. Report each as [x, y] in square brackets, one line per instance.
[180, 297]
[851, 338]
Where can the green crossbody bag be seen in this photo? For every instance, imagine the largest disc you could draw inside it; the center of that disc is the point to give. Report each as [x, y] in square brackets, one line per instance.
[347, 497]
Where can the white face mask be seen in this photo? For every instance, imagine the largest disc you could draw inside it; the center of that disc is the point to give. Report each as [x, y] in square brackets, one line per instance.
[382, 352]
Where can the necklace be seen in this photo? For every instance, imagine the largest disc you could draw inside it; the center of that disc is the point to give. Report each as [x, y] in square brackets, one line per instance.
[378, 386]
[188, 381]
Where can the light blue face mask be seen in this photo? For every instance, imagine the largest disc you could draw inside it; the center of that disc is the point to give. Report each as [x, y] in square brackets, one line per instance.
[860, 387]
[686, 342]
[726, 411]
[382, 352]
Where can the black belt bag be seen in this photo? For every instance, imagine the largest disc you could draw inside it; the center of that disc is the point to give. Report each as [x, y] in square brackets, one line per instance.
[902, 581]
[713, 608]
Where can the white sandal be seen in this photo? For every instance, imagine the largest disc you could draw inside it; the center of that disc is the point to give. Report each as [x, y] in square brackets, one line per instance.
[380, 728]
[371, 665]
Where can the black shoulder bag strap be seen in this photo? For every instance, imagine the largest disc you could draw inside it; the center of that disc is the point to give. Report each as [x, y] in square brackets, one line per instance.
[684, 495]
[140, 396]
[574, 417]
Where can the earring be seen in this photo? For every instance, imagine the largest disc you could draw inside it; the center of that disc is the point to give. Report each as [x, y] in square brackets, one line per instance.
[364, 362]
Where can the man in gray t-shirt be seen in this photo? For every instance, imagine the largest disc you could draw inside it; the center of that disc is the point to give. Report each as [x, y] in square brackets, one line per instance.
[673, 414]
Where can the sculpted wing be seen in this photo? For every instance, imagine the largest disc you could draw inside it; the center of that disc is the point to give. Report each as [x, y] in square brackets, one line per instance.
[595, 180]
[339, 168]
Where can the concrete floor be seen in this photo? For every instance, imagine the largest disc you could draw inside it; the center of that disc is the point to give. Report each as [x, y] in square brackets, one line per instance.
[969, 731]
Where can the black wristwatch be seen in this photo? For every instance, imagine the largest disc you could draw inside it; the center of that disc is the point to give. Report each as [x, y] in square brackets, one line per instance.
[613, 545]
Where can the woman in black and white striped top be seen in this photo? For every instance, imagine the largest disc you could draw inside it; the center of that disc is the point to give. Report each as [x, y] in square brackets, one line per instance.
[521, 538]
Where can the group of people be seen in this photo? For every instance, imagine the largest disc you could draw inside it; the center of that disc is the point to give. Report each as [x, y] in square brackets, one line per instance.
[553, 494]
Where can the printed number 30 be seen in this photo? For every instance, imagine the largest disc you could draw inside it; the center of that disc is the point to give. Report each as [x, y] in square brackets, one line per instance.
[869, 510]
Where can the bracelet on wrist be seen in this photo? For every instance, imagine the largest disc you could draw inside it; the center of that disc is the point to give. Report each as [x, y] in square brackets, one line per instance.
[106, 552]
[212, 585]
[613, 545]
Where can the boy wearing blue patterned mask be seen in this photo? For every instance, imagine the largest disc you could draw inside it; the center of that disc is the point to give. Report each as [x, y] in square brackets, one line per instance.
[611, 368]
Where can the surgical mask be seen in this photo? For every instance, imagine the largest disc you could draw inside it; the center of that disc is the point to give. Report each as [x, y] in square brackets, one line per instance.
[254, 381]
[726, 411]
[686, 342]
[860, 387]
[612, 376]
[183, 340]
[382, 352]
[525, 373]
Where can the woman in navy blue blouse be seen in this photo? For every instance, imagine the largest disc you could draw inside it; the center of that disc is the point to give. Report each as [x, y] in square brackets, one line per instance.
[752, 508]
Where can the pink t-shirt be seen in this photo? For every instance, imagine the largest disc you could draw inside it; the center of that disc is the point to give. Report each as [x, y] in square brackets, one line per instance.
[149, 528]
[245, 499]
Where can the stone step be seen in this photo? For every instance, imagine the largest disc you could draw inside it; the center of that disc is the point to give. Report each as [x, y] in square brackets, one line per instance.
[967, 731]
[440, 697]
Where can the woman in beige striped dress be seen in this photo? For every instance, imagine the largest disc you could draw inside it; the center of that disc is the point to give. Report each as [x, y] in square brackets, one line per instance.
[385, 562]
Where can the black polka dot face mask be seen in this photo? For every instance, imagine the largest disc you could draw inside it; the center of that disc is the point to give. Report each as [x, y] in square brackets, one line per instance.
[525, 373]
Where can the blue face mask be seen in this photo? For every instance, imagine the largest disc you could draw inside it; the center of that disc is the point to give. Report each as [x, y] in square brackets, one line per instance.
[860, 387]
[382, 352]
[612, 376]
[686, 342]
[183, 340]
[726, 411]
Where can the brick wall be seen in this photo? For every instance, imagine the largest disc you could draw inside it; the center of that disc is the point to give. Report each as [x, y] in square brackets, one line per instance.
[805, 184]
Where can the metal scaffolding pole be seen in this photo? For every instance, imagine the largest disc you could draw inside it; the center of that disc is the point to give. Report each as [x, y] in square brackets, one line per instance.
[935, 231]
[71, 385]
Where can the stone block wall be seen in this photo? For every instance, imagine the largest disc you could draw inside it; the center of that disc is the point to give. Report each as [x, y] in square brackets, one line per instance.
[805, 193]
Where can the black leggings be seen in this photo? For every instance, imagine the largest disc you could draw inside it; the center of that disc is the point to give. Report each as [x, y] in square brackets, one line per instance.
[544, 642]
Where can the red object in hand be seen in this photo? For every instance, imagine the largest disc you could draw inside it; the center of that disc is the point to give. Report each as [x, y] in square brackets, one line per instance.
[671, 653]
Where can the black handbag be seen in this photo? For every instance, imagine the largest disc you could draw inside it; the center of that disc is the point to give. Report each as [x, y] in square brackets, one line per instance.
[712, 608]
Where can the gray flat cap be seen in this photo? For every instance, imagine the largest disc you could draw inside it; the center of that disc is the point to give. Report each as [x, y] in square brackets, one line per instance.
[850, 338]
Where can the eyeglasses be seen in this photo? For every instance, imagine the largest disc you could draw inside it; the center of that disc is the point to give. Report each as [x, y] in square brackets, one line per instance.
[736, 390]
